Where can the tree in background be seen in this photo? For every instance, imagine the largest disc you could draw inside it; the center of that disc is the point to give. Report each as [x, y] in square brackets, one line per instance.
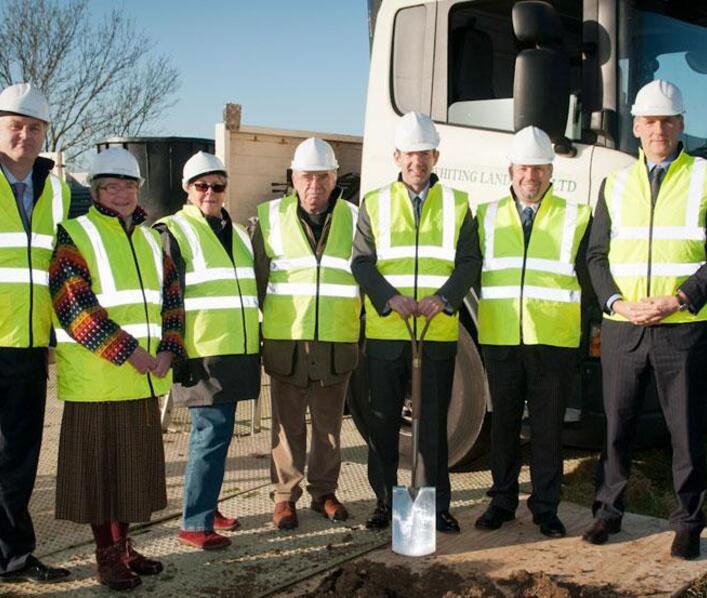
[101, 77]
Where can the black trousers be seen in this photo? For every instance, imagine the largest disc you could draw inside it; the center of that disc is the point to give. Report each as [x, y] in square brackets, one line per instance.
[543, 376]
[23, 391]
[677, 356]
[389, 380]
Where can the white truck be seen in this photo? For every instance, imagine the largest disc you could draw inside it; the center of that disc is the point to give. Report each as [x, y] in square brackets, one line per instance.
[485, 68]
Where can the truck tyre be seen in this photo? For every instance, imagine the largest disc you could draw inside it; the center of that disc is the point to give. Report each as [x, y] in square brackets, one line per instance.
[467, 410]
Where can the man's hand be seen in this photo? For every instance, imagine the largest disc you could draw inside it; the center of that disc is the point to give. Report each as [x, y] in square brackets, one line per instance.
[430, 306]
[645, 312]
[162, 363]
[142, 361]
[404, 305]
[665, 305]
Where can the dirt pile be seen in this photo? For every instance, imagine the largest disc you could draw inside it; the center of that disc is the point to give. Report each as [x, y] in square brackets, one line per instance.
[367, 579]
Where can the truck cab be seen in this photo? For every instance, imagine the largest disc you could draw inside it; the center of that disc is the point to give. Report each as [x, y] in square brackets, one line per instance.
[483, 69]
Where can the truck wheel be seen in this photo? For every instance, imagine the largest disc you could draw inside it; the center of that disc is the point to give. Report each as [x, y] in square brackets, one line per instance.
[467, 410]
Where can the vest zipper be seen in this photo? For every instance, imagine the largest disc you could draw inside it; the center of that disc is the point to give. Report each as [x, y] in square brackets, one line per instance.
[144, 300]
[650, 248]
[417, 242]
[31, 278]
[522, 279]
[240, 296]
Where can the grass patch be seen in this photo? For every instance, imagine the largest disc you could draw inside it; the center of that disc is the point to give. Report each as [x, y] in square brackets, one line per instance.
[650, 487]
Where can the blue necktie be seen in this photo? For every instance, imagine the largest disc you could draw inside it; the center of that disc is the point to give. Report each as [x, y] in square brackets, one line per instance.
[527, 220]
[18, 189]
[656, 179]
[416, 203]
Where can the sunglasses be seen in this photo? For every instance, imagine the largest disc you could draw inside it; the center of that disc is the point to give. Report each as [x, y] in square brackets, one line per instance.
[215, 187]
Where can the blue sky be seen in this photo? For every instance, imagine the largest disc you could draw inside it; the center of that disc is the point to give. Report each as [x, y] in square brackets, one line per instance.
[298, 64]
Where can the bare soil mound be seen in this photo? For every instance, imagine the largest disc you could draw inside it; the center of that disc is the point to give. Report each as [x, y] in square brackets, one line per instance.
[367, 579]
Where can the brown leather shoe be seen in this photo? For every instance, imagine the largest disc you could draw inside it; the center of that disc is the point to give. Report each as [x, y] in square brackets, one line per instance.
[330, 507]
[137, 562]
[285, 515]
[600, 530]
[226, 524]
[112, 571]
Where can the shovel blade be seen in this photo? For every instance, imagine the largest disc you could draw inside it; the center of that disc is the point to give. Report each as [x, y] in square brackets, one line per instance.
[414, 521]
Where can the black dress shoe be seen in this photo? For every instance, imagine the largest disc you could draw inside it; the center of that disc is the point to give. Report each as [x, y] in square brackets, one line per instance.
[550, 525]
[447, 524]
[380, 518]
[36, 572]
[494, 518]
[600, 530]
[686, 545]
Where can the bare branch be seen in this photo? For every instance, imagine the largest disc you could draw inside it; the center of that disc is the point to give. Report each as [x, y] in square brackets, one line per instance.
[101, 78]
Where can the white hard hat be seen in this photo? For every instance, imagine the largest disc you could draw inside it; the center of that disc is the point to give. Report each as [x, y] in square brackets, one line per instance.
[314, 154]
[531, 146]
[658, 98]
[416, 133]
[117, 162]
[199, 164]
[25, 99]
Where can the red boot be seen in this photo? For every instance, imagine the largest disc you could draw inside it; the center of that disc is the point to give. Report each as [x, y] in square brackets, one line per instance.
[112, 571]
[223, 523]
[137, 562]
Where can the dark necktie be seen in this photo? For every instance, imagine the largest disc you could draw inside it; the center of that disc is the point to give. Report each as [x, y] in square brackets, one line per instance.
[527, 219]
[18, 189]
[656, 180]
[416, 203]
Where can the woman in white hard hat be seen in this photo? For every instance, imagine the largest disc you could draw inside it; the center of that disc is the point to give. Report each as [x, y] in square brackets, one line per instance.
[214, 259]
[119, 308]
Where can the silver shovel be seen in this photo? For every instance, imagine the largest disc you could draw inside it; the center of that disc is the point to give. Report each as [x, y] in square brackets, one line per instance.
[414, 508]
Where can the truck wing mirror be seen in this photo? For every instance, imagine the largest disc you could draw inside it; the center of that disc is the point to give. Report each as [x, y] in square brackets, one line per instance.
[541, 84]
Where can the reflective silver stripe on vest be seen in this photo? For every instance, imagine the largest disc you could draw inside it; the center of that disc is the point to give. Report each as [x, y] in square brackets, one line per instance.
[293, 263]
[690, 231]
[428, 281]
[275, 236]
[231, 302]
[200, 271]
[244, 238]
[109, 295]
[310, 289]
[134, 330]
[446, 252]
[657, 269]
[21, 275]
[57, 201]
[531, 292]
[562, 266]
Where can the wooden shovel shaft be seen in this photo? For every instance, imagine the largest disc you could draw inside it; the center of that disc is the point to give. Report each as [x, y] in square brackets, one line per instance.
[416, 347]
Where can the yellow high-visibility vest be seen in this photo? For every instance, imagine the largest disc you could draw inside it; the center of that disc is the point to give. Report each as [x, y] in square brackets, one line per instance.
[654, 249]
[127, 275]
[306, 299]
[416, 260]
[25, 301]
[531, 297]
[220, 296]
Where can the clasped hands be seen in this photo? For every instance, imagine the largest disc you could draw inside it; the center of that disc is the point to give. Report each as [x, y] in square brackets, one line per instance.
[647, 311]
[143, 362]
[428, 307]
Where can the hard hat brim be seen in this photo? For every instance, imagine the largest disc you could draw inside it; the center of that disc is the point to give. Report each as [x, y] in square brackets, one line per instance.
[655, 112]
[418, 147]
[313, 167]
[39, 117]
[114, 175]
[529, 161]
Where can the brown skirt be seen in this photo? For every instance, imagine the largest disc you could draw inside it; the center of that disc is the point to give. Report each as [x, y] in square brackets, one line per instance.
[111, 462]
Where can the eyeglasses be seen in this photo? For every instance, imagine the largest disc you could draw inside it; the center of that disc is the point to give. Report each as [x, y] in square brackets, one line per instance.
[114, 188]
[215, 187]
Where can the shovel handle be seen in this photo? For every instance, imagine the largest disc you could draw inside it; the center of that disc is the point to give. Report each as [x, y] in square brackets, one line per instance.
[416, 375]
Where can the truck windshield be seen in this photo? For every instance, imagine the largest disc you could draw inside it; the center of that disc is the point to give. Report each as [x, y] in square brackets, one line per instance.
[663, 43]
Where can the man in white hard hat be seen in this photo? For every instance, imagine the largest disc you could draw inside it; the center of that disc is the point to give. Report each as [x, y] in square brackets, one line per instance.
[646, 258]
[32, 202]
[413, 260]
[533, 244]
[214, 258]
[311, 314]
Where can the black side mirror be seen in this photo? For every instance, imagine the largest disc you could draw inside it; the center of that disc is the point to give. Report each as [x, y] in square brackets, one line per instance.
[541, 85]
